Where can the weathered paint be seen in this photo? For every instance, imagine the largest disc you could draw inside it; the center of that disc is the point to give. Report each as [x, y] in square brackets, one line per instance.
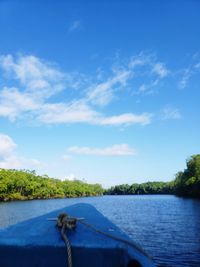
[37, 243]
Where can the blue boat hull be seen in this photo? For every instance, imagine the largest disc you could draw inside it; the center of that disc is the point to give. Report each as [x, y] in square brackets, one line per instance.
[37, 243]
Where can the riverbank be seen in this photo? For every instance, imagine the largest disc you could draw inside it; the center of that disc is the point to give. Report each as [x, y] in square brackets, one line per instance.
[186, 183]
[27, 185]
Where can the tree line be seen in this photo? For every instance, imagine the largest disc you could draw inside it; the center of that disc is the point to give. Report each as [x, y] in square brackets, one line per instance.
[141, 189]
[186, 183]
[25, 184]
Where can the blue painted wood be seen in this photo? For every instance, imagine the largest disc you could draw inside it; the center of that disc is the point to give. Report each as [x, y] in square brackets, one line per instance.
[37, 243]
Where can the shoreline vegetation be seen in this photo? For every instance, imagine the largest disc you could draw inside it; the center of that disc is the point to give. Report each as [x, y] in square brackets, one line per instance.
[185, 184]
[27, 185]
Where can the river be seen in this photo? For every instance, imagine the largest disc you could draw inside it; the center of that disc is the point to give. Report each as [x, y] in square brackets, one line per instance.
[167, 227]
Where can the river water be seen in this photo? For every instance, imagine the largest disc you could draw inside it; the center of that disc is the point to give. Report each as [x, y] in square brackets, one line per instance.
[167, 227]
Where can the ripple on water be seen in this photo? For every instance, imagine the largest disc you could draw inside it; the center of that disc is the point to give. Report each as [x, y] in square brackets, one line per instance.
[167, 227]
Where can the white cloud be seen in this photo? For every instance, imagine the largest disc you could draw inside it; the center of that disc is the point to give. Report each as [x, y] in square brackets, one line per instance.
[160, 69]
[146, 89]
[102, 93]
[187, 73]
[9, 158]
[171, 113]
[147, 63]
[40, 80]
[7, 145]
[127, 119]
[141, 60]
[80, 112]
[13, 103]
[10, 162]
[74, 112]
[115, 150]
[123, 76]
[74, 26]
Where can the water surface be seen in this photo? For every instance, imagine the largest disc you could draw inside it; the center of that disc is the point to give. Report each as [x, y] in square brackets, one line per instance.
[167, 227]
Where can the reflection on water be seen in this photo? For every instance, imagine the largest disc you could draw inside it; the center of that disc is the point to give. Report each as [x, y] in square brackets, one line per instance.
[167, 227]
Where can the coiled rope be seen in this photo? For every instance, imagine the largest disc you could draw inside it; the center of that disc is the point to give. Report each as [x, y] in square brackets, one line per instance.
[65, 222]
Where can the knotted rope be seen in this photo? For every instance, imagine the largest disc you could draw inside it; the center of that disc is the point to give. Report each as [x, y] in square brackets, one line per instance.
[66, 222]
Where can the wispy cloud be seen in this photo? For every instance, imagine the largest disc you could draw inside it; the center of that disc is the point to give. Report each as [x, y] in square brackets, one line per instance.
[171, 113]
[187, 73]
[37, 82]
[147, 88]
[160, 69]
[190, 71]
[123, 76]
[128, 119]
[75, 25]
[102, 93]
[150, 70]
[115, 150]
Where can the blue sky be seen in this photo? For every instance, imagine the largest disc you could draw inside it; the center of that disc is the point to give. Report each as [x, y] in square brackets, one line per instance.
[106, 91]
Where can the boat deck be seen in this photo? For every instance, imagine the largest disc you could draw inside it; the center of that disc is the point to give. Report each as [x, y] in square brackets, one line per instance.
[38, 243]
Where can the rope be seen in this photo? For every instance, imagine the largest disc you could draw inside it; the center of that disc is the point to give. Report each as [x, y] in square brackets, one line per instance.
[66, 223]
[68, 246]
[135, 246]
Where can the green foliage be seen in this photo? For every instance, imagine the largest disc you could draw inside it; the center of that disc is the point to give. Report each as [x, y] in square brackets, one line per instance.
[142, 189]
[21, 185]
[25, 184]
[187, 183]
